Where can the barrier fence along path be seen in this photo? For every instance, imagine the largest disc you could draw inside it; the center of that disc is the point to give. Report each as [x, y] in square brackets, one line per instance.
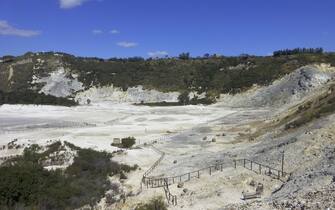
[172, 199]
[155, 182]
[260, 168]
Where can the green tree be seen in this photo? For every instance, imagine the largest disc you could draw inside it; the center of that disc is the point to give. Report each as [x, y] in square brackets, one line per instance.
[128, 142]
[184, 56]
[184, 98]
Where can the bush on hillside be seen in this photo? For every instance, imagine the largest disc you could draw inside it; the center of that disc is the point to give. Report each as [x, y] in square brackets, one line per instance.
[25, 183]
[128, 142]
[29, 97]
[156, 203]
[183, 98]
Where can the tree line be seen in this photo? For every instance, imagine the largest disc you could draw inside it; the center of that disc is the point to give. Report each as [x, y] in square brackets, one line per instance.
[295, 51]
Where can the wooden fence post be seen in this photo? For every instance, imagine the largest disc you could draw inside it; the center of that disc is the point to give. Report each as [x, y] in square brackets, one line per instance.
[244, 163]
[282, 163]
[235, 163]
[210, 170]
[260, 168]
[198, 174]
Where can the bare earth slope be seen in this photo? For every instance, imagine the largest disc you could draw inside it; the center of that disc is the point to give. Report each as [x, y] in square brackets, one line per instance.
[288, 90]
[294, 115]
[260, 135]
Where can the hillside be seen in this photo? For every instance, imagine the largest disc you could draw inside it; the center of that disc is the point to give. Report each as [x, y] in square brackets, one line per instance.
[289, 89]
[193, 148]
[57, 78]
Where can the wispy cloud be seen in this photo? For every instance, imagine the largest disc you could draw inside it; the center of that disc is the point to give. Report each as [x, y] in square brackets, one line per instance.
[127, 44]
[97, 31]
[114, 31]
[325, 33]
[7, 29]
[158, 54]
[68, 4]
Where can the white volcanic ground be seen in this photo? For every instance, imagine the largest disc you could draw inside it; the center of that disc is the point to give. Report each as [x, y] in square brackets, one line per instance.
[181, 132]
[96, 125]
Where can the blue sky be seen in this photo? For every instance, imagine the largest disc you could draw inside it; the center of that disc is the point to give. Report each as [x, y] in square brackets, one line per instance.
[122, 28]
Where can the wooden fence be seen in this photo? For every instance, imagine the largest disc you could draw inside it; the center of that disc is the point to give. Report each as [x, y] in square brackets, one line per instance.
[154, 182]
[172, 199]
[145, 175]
[260, 168]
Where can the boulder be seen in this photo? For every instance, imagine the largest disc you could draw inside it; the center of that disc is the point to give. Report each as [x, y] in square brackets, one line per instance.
[180, 184]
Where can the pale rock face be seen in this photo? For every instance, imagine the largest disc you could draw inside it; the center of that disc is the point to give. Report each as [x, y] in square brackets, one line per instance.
[11, 73]
[287, 90]
[131, 95]
[58, 84]
[195, 94]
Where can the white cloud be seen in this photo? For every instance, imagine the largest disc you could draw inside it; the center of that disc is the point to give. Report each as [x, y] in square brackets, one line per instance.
[97, 31]
[158, 54]
[325, 33]
[6, 29]
[114, 31]
[68, 4]
[127, 44]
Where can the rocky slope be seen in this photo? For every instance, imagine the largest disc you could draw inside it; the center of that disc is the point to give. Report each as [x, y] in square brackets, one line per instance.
[293, 113]
[290, 89]
[134, 80]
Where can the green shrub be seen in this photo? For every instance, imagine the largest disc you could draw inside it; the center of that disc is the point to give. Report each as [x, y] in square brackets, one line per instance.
[128, 142]
[156, 203]
[29, 97]
[24, 181]
[183, 98]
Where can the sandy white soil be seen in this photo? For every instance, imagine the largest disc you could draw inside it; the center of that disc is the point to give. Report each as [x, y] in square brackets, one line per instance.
[194, 137]
[95, 126]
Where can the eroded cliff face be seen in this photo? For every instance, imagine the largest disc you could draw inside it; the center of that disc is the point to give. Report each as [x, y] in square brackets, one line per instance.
[290, 89]
[59, 83]
[50, 75]
[63, 83]
[131, 95]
